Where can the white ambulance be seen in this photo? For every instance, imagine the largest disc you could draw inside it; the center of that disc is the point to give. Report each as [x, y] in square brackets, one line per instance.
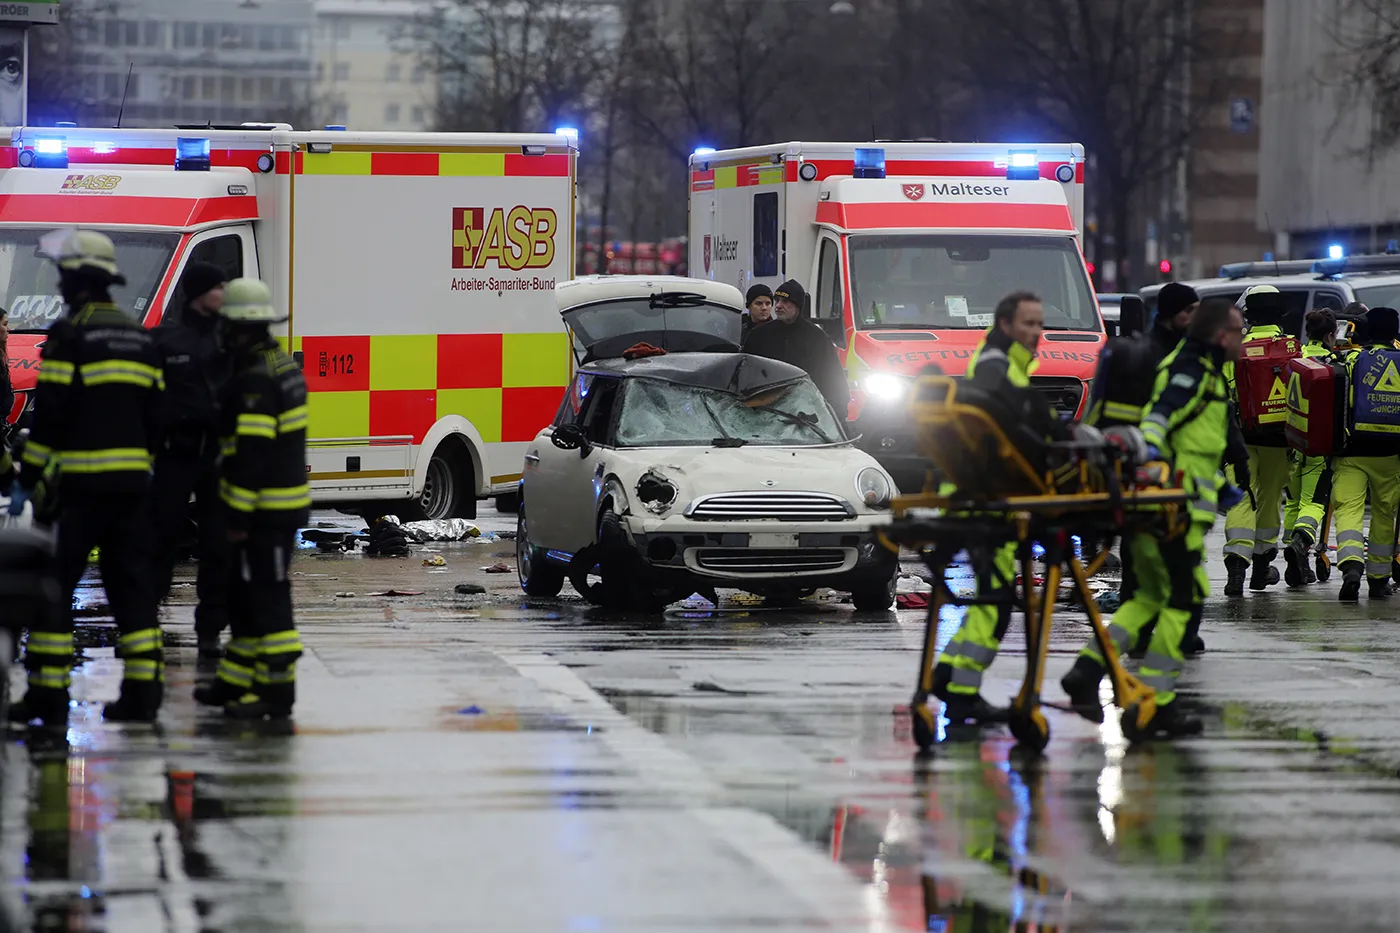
[418, 270]
[904, 249]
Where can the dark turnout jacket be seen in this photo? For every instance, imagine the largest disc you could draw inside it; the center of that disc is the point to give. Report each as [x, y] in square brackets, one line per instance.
[806, 346]
[197, 372]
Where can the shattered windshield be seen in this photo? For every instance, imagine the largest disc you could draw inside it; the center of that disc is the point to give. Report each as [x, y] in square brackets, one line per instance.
[664, 414]
[29, 281]
[951, 282]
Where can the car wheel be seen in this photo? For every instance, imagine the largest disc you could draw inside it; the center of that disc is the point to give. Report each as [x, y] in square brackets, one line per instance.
[873, 596]
[627, 583]
[538, 575]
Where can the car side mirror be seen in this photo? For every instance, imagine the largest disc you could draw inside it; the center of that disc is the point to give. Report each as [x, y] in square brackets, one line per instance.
[571, 437]
[1132, 316]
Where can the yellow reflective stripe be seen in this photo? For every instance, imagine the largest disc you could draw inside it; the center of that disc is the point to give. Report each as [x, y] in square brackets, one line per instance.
[255, 425]
[293, 419]
[57, 368]
[54, 678]
[110, 460]
[140, 642]
[56, 376]
[242, 648]
[54, 643]
[288, 676]
[127, 372]
[280, 643]
[231, 672]
[228, 446]
[1123, 411]
[236, 497]
[290, 497]
[141, 669]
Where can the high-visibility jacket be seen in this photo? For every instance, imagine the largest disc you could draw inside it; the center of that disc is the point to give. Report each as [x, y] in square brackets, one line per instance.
[1188, 420]
[263, 481]
[1361, 443]
[1127, 376]
[97, 404]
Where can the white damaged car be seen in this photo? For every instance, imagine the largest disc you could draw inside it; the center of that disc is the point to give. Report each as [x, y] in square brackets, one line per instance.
[669, 473]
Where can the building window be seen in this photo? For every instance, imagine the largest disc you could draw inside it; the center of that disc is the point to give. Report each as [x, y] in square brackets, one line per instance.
[187, 87]
[187, 35]
[154, 34]
[111, 85]
[112, 32]
[320, 71]
[417, 74]
[342, 28]
[267, 88]
[267, 38]
[342, 71]
[209, 36]
[391, 113]
[417, 114]
[340, 115]
[250, 92]
[228, 89]
[394, 73]
[288, 38]
[209, 88]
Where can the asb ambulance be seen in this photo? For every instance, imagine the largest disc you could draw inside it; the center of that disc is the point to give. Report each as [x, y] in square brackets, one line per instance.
[905, 250]
[418, 270]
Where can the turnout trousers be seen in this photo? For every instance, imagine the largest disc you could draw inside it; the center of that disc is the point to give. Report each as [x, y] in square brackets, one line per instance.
[1166, 588]
[1305, 511]
[118, 525]
[1352, 477]
[975, 645]
[1250, 533]
[261, 657]
[178, 476]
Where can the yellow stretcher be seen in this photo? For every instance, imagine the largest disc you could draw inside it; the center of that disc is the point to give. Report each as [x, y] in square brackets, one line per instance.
[1002, 496]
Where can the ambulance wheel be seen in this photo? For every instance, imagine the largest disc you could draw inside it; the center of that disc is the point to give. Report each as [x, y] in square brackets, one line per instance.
[446, 486]
[539, 576]
[1030, 729]
[1323, 566]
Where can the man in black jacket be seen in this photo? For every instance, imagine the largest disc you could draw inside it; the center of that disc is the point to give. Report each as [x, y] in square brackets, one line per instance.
[790, 339]
[197, 369]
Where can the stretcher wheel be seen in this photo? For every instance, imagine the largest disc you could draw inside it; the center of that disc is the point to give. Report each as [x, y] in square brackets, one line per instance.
[1030, 729]
[925, 728]
[1323, 566]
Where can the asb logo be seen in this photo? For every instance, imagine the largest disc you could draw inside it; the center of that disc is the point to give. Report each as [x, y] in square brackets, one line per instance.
[914, 192]
[707, 253]
[90, 182]
[521, 238]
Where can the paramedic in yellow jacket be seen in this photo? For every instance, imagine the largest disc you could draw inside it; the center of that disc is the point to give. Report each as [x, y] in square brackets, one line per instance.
[1252, 527]
[1305, 511]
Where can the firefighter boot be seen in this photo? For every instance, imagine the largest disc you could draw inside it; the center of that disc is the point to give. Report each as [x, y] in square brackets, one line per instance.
[1081, 684]
[1299, 571]
[139, 702]
[1265, 573]
[962, 708]
[1192, 643]
[1378, 588]
[272, 701]
[1351, 583]
[219, 692]
[1235, 567]
[1168, 722]
[44, 710]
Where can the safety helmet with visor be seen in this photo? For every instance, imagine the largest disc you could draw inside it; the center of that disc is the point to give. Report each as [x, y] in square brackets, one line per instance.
[82, 252]
[249, 301]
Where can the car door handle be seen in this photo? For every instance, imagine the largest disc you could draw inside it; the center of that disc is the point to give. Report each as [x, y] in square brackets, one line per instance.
[532, 457]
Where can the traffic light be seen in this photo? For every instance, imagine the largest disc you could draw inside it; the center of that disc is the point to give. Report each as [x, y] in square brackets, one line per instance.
[1165, 267]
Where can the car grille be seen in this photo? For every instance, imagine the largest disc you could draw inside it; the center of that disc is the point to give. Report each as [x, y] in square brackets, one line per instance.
[778, 506]
[772, 560]
[1062, 392]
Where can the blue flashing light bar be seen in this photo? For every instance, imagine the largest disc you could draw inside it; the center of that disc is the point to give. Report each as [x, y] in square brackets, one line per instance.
[50, 152]
[1336, 251]
[570, 131]
[192, 154]
[1022, 165]
[703, 151]
[870, 163]
[336, 127]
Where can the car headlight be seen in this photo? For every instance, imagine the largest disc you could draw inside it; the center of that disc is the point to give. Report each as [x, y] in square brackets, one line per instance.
[873, 488]
[657, 492]
[885, 387]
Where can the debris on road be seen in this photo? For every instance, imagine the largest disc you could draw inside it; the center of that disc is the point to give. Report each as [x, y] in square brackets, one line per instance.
[387, 539]
[498, 567]
[437, 560]
[469, 589]
[911, 601]
[396, 593]
[446, 529]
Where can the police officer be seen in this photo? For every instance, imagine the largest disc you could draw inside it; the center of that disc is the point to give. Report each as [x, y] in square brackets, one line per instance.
[96, 421]
[1305, 511]
[1368, 463]
[1187, 425]
[266, 497]
[1002, 364]
[196, 374]
[1252, 526]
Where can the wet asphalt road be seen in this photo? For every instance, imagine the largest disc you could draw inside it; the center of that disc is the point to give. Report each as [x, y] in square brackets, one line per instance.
[501, 764]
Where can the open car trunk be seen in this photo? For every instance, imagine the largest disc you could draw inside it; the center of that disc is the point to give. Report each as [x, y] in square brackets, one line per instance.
[674, 321]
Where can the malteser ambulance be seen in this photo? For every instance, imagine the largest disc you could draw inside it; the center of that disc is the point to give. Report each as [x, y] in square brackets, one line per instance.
[418, 270]
[905, 249]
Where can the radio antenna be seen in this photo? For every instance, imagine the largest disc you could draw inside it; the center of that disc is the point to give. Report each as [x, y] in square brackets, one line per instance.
[126, 90]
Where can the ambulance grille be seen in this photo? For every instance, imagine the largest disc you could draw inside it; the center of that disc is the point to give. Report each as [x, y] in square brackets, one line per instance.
[1062, 392]
[770, 506]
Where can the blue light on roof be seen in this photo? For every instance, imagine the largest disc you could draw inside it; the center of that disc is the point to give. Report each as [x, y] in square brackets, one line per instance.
[703, 151]
[870, 163]
[1022, 165]
[192, 154]
[336, 127]
[1336, 251]
[50, 152]
[570, 131]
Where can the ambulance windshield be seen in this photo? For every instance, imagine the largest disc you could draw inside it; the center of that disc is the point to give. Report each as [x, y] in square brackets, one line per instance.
[954, 281]
[29, 281]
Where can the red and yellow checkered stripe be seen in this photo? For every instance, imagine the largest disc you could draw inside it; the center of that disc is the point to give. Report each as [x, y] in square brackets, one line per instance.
[363, 161]
[507, 385]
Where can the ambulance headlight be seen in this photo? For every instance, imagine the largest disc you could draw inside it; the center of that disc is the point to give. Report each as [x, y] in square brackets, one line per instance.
[885, 387]
[874, 488]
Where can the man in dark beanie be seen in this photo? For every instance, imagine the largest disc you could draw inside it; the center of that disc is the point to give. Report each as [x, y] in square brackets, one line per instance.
[791, 339]
[196, 371]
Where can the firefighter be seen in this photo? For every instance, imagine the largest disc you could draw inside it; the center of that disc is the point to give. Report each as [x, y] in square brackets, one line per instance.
[266, 497]
[1002, 363]
[1306, 509]
[96, 421]
[1368, 462]
[196, 374]
[1252, 526]
[1187, 425]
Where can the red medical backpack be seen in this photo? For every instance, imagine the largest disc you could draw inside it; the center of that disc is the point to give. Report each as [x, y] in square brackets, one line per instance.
[1262, 388]
[1316, 391]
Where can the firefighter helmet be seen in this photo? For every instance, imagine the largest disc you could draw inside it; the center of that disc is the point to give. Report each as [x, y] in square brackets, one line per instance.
[249, 301]
[82, 251]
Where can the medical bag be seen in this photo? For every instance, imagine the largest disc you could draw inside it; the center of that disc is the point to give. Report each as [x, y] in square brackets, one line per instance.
[1261, 388]
[1375, 411]
[1317, 405]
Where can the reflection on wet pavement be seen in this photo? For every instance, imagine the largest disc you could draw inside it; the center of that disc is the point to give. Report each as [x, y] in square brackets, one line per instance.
[503, 764]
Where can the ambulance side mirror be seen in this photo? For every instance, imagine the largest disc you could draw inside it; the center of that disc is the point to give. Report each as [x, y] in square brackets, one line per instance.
[1132, 316]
